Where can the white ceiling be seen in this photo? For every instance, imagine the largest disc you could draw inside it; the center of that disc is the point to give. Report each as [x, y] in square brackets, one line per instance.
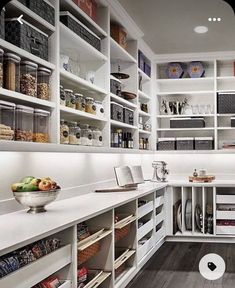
[168, 24]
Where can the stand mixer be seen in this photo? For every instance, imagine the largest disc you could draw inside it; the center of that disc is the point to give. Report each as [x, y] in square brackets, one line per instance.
[160, 172]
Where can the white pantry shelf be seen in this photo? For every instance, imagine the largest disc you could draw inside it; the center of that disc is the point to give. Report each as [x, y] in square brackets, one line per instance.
[117, 53]
[143, 95]
[184, 115]
[226, 115]
[145, 77]
[186, 129]
[225, 128]
[123, 125]
[20, 98]
[185, 92]
[186, 80]
[226, 78]
[226, 91]
[123, 101]
[25, 55]
[142, 113]
[144, 132]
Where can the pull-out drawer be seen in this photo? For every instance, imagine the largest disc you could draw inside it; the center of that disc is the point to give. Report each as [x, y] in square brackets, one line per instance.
[144, 248]
[145, 229]
[225, 199]
[159, 201]
[225, 215]
[160, 231]
[225, 230]
[145, 209]
[96, 278]
[160, 217]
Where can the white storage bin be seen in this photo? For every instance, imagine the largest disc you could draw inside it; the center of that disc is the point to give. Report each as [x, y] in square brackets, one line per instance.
[145, 209]
[225, 199]
[160, 217]
[226, 215]
[225, 230]
[145, 229]
[145, 248]
[159, 201]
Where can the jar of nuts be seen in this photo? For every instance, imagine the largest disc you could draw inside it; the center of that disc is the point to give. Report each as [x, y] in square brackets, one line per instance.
[80, 102]
[41, 126]
[90, 106]
[1, 67]
[11, 66]
[64, 132]
[28, 78]
[24, 123]
[43, 85]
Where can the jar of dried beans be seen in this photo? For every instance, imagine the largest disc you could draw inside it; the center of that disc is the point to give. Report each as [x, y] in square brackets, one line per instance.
[28, 78]
[41, 126]
[43, 85]
[11, 72]
[24, 123]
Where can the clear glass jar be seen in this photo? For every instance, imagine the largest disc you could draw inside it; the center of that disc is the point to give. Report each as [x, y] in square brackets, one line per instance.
[99, 108]
[86, 135]
[62, 96]
[74, 133]
[64, 132]
[70, 98]
[12, 72]
[90, 106]
[43, 85]
[97, 137]
[7, 120]
[28, 78]
[24, 123]
[80, 102]
[41, 126]
[1, 67]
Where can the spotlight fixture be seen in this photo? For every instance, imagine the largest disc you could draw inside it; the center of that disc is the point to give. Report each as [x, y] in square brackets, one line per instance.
[214, 19]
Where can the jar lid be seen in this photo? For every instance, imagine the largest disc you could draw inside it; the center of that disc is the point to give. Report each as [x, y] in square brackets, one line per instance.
[68, 90]
[78, 95]
[89, 99]
[1, 51]
[29, 63]
[42, 112]
[12, 56]
[25, 108]
[42, 69]
[5, 103]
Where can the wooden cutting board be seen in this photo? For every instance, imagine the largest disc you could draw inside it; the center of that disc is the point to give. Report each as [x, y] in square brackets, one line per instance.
[202, 179]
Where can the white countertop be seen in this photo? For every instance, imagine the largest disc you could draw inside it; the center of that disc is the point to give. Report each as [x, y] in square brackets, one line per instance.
[19, 228]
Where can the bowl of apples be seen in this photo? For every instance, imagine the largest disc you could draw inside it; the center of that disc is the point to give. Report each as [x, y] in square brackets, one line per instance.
[35, 193]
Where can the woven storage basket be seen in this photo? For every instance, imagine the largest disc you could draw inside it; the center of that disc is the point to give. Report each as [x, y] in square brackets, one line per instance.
[88, 253]
[121, 233]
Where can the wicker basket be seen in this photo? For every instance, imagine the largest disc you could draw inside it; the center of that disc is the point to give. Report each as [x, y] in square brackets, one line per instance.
[121, 233]
[88, 253]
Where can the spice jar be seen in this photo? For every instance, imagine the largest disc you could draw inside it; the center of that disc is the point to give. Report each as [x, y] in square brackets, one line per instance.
[86, 135]
[90, 107]
[41, 126]
[74, 133]
[64, 132]
[43, 85]
[80, 102]
[28, 78]
[7, 120]
[62, 96]
[97, 139]
[99, 109]
[1, 67]
[11, 72]
[70, 98]
[24, 123]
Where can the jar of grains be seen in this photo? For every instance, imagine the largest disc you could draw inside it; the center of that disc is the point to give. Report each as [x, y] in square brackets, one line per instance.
[64, 132]
[62, 96]
[97, 139]
[1, 67]
[86, 135]
[28, 78]
[11, 68]
[41, 126]
[24, 123]
[74, 133]
[7, 120]
[43, 85]
[80, 102]
[70, 98]
[99, 108]
[90, 106]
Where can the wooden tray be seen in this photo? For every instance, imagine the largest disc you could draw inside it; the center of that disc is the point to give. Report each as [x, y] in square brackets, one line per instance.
[202, 179]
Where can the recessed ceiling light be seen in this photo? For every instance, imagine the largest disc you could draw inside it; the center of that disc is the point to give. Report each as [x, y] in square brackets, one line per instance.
[200, 29]
[210, 19]
[219, 19]
[214, 19]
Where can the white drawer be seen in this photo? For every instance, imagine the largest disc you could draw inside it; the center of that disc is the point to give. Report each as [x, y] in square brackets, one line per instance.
[66, 284]
[145, 209]
[225, 199]
[160, 217]
[225, 230]
[145, 229]
[226, 215]
[144, 249]
[160, 233]
[159, 201]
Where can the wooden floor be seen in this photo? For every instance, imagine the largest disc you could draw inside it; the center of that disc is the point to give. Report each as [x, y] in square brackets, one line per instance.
[175, 265]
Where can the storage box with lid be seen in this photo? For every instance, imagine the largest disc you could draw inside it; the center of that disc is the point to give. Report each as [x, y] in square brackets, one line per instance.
[24, 123]
[41, 126]
[27, 37]
[187, 122]
[2, 23]
[88, 6]
[117, 111]
[119, 35]
[204, 143]
[226, 102]
[166, 143]
[115, 85]
[7, 120]
[128, 115]
[80, 29]
[184, 143]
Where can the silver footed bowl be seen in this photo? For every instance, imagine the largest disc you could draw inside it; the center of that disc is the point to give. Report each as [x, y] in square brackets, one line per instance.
[36, 200]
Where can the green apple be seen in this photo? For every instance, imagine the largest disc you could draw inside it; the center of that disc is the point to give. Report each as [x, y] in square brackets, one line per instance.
[27, 179]
[29, 188]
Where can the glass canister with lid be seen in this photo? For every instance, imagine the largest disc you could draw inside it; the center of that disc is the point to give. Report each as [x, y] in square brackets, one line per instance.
[43, 83]
[86, 135]
[1, 67]
[41, 126]
[64, 132]
[70, 98]
[62, 96]
[7, 120]
[28, 78]
[90, 106]
[97, 137]
[80, 102]
[99, 109]
[11, 66]
[24, 123]
[74, 133]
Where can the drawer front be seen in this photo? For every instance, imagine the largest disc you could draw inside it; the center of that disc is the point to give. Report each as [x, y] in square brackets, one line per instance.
[160, 233]
[145, 248]
[159, 201]
[225, 230]
[226, 215]
[160, 217]
[145, 229]
[145, 209]
[225, 199]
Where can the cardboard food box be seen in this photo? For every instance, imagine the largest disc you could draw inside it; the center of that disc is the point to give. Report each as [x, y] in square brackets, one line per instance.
[88, 6]
[119, 35]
